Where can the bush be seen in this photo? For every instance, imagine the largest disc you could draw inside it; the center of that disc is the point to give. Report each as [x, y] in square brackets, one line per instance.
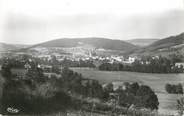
[174, 89]
[147, 98]
[141, 96]
[20, 96]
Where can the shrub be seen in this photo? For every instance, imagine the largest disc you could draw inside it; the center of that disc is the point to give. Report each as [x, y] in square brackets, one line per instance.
[38, 100]
[174, 89]
[140, 96]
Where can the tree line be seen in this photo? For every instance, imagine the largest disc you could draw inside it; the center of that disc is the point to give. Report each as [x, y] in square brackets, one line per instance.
[145, 65]
[80, 63]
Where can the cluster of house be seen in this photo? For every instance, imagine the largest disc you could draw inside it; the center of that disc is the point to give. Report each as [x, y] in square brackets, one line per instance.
[109, 59]
[78, 53]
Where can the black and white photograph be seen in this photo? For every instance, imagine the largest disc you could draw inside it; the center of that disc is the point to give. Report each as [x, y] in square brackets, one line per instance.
[92, 57]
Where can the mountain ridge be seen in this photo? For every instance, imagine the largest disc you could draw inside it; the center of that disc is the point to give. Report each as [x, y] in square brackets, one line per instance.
[104, 43]
[168, 45]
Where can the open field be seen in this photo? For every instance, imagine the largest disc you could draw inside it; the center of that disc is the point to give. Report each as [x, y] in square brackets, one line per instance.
[155, 81]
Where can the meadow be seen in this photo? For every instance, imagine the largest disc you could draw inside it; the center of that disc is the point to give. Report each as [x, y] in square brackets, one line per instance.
[167, 102]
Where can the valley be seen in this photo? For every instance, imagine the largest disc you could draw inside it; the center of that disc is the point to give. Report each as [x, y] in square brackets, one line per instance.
[102, 61]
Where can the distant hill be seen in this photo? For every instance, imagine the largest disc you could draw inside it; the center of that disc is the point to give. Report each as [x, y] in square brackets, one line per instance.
[166, 46]
[103, 43]
[8, 47]
[168, 42]
[142, 42]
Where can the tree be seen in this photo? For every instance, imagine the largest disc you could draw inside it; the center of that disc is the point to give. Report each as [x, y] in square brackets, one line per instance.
[109, 87]
[179, 89]
[133, 88]
[168, 88]
[125, 99]
[180, 106]
[56, 69]
[176, 89]
[6, 71]
[105, 96]
[147, 98]
[97, 89]
[139, 95]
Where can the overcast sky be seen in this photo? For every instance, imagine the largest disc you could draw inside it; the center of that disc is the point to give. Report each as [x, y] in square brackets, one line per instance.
[34, 21]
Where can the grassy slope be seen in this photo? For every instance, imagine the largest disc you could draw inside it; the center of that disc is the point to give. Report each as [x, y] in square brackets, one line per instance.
[155, 81]
[164, 46]
[7, 47]
[142, 42]
[96, 42]
[168, 42]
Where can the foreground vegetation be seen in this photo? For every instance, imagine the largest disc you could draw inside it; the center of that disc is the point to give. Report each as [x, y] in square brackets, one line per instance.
[35, 93]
